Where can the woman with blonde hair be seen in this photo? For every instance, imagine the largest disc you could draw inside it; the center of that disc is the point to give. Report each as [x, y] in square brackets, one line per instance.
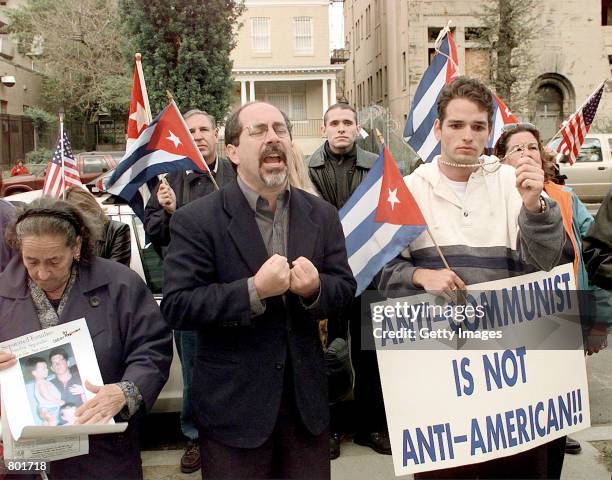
[296, 171]
[113, 239]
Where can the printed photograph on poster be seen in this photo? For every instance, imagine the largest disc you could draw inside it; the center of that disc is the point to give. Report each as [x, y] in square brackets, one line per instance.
[53, 385]
[46, 386]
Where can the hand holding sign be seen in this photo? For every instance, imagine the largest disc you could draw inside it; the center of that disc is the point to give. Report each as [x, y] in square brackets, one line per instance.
[107, 403]
[7, 360]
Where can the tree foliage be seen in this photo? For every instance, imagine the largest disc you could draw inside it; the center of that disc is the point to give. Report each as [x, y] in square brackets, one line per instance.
[185, 49]
[508, 33]
[79, 45]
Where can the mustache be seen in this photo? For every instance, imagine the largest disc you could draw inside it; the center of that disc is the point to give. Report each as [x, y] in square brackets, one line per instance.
[273, 149]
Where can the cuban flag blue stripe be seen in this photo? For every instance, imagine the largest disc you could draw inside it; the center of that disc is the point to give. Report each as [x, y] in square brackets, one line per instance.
[374, 177]
[418, 131]
[370, 244]
[498, 124]
[379, 255]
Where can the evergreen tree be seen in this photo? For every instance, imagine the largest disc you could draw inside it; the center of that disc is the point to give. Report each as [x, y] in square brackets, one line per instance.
[186, 49]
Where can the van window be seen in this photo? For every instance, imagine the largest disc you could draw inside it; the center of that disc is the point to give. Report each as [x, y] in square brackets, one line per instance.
[94, 165]
[590, 151]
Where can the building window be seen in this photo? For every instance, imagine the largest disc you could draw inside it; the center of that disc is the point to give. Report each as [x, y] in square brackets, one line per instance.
[368, 21]
[260, 34]
[477, 63]
[3, 106]
[473, 34]
[302, 31]
[606, 12]
[357, 36]
[404, 79]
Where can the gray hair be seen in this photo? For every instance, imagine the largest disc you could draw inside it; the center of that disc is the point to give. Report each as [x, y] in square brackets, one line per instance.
[48, 216]
[195, 111]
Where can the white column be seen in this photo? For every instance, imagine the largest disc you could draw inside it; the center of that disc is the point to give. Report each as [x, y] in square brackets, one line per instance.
[333, 91]
[252, 91]
[243, 93]
[325, 96]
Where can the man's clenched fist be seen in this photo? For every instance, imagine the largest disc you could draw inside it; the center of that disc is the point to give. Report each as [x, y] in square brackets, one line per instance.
[273, 278]
[304, 278]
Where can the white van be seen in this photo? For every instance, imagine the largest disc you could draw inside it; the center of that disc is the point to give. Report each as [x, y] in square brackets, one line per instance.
[591, 175]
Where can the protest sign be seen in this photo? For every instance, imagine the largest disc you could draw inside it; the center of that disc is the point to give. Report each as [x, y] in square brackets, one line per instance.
[41, 393]
[450, 403]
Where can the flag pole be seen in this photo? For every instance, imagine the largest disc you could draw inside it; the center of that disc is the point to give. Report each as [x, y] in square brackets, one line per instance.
[577, 110]
[143, 87]
[446, 30]
[61, 118]
[171, 100]
[381, 139]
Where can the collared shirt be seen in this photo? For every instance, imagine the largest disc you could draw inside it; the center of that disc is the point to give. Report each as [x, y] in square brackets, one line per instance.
[274, 229]
[273, 226]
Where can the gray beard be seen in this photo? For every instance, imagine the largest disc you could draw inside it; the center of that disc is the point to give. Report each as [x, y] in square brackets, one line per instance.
[274, 180]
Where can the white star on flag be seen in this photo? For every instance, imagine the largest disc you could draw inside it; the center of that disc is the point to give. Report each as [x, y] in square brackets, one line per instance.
[174, 139]
[393, 198]
[139, 116]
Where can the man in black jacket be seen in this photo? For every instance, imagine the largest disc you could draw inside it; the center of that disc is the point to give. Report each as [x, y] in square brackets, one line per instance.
[175, 191]
[336, 170]
[252, 268]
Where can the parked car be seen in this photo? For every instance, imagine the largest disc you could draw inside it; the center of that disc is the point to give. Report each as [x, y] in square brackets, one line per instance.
[591, 175]
[90, 164]
[148, 264]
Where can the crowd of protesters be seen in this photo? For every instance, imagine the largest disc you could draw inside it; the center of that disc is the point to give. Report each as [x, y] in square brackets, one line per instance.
[258, 293]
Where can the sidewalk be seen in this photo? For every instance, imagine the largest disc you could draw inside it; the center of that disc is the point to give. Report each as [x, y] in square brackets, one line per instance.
[362, 463]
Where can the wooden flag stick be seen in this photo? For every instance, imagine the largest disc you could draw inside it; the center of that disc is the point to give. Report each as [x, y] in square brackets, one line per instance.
[212, 179]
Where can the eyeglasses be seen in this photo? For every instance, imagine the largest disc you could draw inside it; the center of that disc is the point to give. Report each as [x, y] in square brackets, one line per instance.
[260, 130]
[524, 147]
[513, 126]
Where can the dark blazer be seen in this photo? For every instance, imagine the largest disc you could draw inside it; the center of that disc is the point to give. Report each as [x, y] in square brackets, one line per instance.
[130, 339]
[240, 362]
[187, 187]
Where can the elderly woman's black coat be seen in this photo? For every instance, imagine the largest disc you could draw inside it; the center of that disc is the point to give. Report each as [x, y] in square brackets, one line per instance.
[131, 340]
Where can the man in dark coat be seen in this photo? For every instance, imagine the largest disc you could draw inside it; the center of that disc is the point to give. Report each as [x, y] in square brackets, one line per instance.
[253, 268]
[597, 246]
[176, 190]
[336, 170]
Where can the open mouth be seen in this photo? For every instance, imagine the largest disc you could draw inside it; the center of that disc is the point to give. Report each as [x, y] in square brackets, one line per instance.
[273, 159]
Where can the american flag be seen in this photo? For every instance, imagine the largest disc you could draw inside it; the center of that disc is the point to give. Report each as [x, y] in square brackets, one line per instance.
[56, 182]
[577, 126]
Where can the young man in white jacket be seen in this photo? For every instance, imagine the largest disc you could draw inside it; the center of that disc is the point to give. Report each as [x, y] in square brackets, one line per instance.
[491, 222]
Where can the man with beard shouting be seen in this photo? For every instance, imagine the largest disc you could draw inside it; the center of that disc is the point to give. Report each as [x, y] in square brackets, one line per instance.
[252, 268]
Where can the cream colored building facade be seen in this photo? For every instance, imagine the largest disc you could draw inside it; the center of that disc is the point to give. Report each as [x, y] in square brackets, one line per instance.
[390, 44]
[16, 132]
[283, 57]
[26, 91]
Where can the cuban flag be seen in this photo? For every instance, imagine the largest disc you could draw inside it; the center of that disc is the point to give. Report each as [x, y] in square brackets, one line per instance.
[164, 146]
[379, 220]
[419, 132]
[501, 116]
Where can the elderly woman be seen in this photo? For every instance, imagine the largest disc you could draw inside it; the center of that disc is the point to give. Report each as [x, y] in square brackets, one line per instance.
[56, 279]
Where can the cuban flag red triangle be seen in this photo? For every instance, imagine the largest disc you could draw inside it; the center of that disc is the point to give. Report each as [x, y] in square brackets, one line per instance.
[171, 135]
[396, 205]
